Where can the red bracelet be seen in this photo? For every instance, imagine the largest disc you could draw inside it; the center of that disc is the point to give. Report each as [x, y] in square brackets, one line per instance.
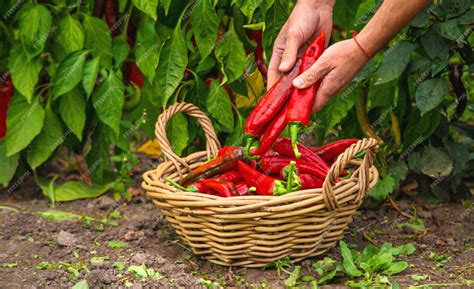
[354, 34]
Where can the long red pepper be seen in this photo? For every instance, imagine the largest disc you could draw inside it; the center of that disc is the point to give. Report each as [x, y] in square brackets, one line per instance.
[233, 176]
[256, 35]
[302, 100]
[223, 187]
[110, 12]
[242, 188]
[218, 165]
[277, 165]
[272, 132]
[331, 150]
[264, 184]
[308, 181]
[6, 92]
[284, 147]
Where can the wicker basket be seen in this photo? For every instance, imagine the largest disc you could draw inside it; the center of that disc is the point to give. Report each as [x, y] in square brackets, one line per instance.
[251, 231]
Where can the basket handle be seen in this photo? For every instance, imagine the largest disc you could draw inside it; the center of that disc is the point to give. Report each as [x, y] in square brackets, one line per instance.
[212, 142]
[370, 146]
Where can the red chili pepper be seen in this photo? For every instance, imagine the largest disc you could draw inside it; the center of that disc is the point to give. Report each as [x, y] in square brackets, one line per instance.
[302, 100]
[223, 187]
[256, 35]
[284, 147]
[264, 184]
[218, 165]
[223, 151]
[6, 92]
[278, 164]
[331, 150]
[269, 106]
[242, 188]
[233, 176]
[308, 181]
[111, 11]
[272, 132]
[133, 74]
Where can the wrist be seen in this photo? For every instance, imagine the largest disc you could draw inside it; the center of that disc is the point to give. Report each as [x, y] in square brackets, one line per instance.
[327, 5]
[368, 43]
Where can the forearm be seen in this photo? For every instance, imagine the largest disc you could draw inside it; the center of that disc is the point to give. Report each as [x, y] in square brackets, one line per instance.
[390, 18]
[319, 3]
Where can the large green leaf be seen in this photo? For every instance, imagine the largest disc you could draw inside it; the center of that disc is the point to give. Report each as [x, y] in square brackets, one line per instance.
[149, 7]
[90, 72]
[348, 261]
[450, 30]
[420, 128]
[120, 49]
[72, 108]
[70, 35]
[248, 7]
[177, 132]
[25, 72]
[219, 105]
[98, 159]
[434, 45]
[383, 188]
[47, 141]
[108, 101]
[147, 48]
[9, 164]
[275, 17]
[69, 73]
[336, 108]
[430, 93]
[98, 39]
[74, 190]
[230, 54]
[205, 26]
[24, 122]
[34, 28]
[395, 61]
[345, 12]
[171, 66]
[435, 163]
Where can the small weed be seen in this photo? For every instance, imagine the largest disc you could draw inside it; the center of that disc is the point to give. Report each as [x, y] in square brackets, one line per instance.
[212, 284]
[280, 265]
[419, 277]
[116, 244]
[440, 260]
[87, 221]
[8, 265]
[143, 272]
[98, 259]
[73, 268]
[119, 265]
[81, 285]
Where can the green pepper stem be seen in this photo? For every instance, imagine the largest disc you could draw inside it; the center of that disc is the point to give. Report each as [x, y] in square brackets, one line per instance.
[179, 187]
[290, 176]
[294, 133]
[248, 143]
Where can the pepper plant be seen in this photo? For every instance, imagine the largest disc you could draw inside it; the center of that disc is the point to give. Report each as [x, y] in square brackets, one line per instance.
[91, 77]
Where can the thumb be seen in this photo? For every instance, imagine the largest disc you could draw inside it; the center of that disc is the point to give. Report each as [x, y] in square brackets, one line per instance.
[290, 53]
[312, 75]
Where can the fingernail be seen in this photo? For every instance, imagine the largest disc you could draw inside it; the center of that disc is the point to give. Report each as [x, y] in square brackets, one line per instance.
[284, 64]
[298, 82]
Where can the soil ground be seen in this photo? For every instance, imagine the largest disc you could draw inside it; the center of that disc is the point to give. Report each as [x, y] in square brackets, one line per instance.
[67, 248]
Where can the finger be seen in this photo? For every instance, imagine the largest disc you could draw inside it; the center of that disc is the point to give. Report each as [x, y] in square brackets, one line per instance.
[312, 75]
[327, 28]
[326, 90]
[273, 72]
[288, 58]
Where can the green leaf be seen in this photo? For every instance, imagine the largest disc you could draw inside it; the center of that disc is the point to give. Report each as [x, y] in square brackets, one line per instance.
[404, 250]
[337, 107]
[205, 26]
[177, 132]
[430, 93]
[108, 101]
[383, 188]
[396, 268]
[450, 30]
[434, 45]
[98, 159]
[72, 108]
[347, 261]
[147, 48]
[98, 39]
[90, 72]
[420, 128]
[81, 285]
[120, 49]
[230, 54]
[435, 163]
[235, 138]
[275, 17]
[48, 140]
[292, 280]
[69, 73]
[166, 5]
[24, 122]
[149, 7]
[34, 28]
[75, 190]
[219, 105]
[398, 172]
[171, 66]
[381, 261]
[116, 244]
[395, 61]
[57, 215]
[248, 7]
[71, 35]
[419, 277]
[345, 12]
[9, 165]
[25, 71]
[119, 265]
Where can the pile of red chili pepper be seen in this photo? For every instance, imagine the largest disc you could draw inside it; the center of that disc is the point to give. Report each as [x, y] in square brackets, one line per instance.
[276, 172]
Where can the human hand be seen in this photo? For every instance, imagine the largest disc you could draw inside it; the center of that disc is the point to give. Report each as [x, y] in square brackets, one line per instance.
[336, 68]
[308, 18]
